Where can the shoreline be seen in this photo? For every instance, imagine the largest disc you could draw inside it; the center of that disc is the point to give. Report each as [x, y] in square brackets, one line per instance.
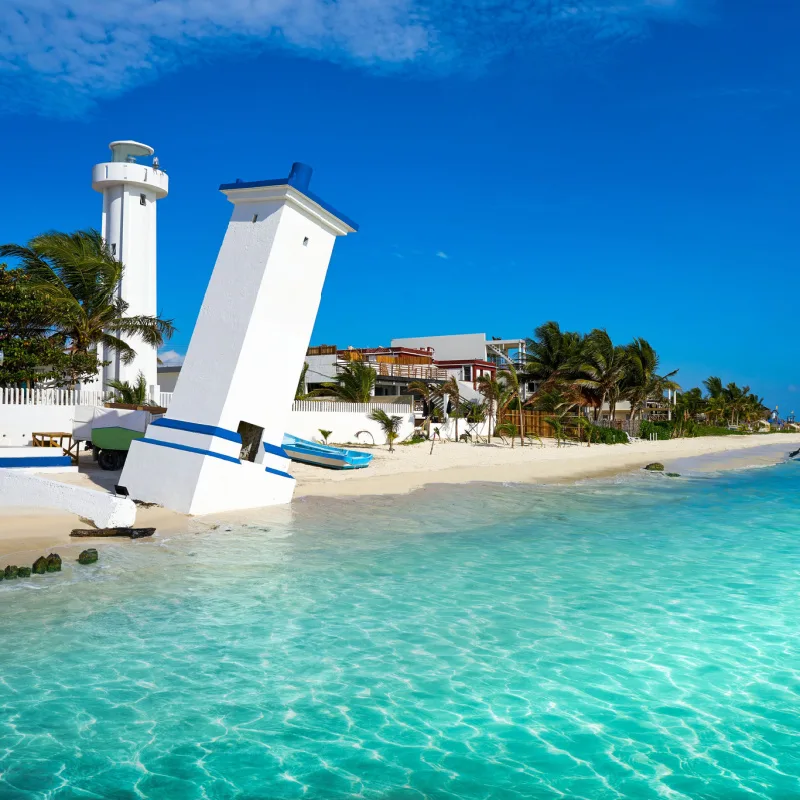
[26, 533]
[535, 465]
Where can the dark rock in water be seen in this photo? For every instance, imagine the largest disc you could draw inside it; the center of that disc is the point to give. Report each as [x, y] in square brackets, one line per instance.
[672, 474]
[40, 566]
[130, 533]
[24, 572]
[54, 562]
[655, 467]
[11, 572]
[795, 454]
[88, 556]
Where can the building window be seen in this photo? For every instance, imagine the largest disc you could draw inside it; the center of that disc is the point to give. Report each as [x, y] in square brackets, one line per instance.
[305, 242]
[467, 373]
[142, 199]
[113, 248]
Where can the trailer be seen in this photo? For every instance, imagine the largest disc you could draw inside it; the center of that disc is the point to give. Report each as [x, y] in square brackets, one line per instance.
[111, 430]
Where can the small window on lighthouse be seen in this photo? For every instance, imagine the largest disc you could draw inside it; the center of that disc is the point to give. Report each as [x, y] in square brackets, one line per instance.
[142, 199]
[305, 242]
[255, 217]
[113, 248]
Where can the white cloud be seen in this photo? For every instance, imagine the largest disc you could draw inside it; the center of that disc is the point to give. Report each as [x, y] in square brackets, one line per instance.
[66, 53]
[442, 254]
[171, 358]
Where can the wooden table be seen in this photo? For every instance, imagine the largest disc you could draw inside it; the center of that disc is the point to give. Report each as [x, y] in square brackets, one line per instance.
[56, 439]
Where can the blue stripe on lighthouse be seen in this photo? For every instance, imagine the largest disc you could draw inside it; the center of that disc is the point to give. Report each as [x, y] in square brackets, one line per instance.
[274, 450]
[196, 427]
[188, 449]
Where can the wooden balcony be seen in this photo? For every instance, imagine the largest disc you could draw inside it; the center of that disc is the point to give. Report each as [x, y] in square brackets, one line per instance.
[414, 372]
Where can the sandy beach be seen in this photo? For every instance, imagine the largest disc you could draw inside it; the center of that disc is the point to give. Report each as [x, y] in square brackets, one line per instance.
[26, 532]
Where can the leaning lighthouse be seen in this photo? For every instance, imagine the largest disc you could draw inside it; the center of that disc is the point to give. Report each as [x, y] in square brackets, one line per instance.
[131, 184]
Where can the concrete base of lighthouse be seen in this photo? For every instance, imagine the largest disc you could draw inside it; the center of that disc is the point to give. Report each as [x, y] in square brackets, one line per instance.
[192, 482]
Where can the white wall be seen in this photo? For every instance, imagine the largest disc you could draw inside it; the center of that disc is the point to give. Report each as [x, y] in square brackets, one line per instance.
[447, 430]
[321, 369]
[167, 378]
[19, 488]
[460, 347]
[345, 424]
[17, 422]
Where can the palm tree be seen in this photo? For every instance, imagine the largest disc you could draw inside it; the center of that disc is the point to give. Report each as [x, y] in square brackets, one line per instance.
[714, 387]
[558, 401]
[552, 354]
[135, 394]
[389, 425]
[512, 394]
[429, 392]
[642, 383]
[80, 276]
[602, 369]
[474, 412]
[300, 391]
[491, 391]
[354, 384]
[451, 389]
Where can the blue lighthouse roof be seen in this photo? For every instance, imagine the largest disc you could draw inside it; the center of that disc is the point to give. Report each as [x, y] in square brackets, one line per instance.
[299, 179]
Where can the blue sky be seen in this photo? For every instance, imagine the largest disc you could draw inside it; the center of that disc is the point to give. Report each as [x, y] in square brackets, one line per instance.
[631, 164]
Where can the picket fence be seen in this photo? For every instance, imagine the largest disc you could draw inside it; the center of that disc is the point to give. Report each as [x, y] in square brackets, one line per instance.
[51, 397]
[75, 397]
[350, 408]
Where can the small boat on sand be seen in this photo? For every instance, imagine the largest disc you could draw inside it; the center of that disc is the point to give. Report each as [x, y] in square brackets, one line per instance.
[323, 455]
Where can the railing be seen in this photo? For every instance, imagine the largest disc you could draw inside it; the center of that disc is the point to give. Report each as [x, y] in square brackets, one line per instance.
[350, 408]
[411, 371]
[63, 397]
[52, 397]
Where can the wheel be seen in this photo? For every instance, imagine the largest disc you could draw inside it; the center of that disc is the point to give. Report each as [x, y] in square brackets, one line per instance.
[111, 459]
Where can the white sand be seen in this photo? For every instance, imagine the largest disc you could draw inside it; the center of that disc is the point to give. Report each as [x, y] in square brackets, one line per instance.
[411, 467]
[26, 532]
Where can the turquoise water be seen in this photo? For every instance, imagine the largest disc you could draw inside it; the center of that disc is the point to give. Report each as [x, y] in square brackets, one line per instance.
[636, 638]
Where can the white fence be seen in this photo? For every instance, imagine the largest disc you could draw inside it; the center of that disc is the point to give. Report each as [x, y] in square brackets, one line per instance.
[325, 406]
[52, 397]
[348, 422]
[23, 411]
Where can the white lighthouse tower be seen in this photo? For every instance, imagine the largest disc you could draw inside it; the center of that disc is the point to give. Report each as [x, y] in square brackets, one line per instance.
[131, 184]
[219, 447]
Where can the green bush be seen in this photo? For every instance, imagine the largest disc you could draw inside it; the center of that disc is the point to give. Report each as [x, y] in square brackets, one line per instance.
[601, 435]
[662, 430]
[712, 430]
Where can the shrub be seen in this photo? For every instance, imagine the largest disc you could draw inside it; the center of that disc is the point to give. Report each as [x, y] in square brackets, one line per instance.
[662, 430]
[601, 435]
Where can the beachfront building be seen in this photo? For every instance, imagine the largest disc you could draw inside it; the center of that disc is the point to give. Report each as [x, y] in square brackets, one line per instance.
[466, 347]
[132, 183]
[468, 356]
[395, 367]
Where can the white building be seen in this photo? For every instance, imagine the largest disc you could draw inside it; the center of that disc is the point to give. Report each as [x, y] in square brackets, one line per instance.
[131, 189]
[469, 347]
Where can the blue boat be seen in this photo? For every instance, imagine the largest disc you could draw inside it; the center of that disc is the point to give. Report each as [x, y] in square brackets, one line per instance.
[323, 455]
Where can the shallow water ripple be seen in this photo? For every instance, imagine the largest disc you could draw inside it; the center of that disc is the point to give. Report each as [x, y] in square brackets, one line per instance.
[630, 639]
